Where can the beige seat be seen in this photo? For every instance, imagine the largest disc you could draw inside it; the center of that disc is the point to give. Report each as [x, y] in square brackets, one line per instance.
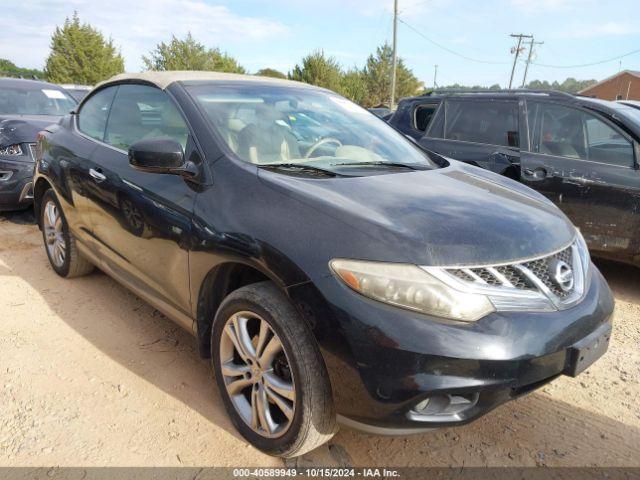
[234, 127]
[266, 141]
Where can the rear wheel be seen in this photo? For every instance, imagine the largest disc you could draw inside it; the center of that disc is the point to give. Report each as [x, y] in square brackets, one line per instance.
[61, 248]
[270, 372]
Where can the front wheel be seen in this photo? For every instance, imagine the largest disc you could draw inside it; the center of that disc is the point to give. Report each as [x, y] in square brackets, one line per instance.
[61, 248]
[270, 372]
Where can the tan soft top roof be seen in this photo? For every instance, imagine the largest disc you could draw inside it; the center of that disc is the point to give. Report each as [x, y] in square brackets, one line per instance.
[164, 79]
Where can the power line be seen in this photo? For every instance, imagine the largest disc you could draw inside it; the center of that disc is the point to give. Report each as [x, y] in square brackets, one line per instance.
[588, 64]
[453, 52]
[491, 62]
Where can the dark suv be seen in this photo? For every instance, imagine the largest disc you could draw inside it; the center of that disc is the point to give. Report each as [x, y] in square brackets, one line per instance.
[26, 106]
[581, 153]
[348, 277]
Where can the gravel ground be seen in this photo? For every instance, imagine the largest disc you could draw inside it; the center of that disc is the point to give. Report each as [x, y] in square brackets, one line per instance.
[90, 375]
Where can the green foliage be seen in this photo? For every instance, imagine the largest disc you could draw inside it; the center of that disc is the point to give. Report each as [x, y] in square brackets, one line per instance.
[353, 85]
[466, 88]
[377, 75]
[270, 72]
[369, 86]
[80, 54]
[570, 85]
[318, 69]
[188, 54]
[9, 69]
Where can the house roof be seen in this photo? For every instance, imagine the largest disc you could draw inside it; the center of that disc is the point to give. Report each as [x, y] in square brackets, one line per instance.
[164, 79]
[635, 73]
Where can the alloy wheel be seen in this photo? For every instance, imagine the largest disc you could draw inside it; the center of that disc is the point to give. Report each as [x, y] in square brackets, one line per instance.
[257, 374]
[54, 237]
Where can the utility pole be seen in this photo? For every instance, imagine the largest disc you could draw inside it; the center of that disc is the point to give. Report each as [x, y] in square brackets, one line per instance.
[394, 62]
[519, 36]
[435, 76]
[526, 68]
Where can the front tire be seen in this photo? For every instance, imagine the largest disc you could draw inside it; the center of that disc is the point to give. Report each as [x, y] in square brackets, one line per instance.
[61, 248]
[270, 372]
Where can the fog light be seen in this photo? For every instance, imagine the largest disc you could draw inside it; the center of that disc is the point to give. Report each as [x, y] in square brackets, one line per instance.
[443, 407]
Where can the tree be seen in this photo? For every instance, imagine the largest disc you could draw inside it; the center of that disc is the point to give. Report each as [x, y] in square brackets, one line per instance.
[270, 72]
[353, 85]
[318, 69]
[80, 54]
[377, 74]
[188, 54]
[10, 69]
[570, 85]
[465, 88]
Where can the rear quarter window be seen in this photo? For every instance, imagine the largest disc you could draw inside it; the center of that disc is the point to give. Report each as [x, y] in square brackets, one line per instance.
[493, 122]
[422, 116]
[435, 129]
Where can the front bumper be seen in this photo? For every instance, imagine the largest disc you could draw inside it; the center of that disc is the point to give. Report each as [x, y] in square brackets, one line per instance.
[383, 361]
[16, 188]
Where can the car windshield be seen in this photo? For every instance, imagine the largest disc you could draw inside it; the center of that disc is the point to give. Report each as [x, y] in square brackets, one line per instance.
[34, 100]
[271, 125]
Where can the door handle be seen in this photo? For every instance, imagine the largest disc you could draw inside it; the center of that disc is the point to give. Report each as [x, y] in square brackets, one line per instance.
[535, 174]
[97, 175]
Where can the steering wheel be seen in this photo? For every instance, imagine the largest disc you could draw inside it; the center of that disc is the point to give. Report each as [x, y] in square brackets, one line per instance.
[321, 142]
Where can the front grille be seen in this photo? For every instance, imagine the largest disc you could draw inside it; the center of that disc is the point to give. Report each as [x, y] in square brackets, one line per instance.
[462, 275]
[527, 275]
[540, 268]
[515, 277]
[486, 276]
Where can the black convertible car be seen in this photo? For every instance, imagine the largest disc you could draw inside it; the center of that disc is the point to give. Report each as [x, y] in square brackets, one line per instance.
[581, 153]
[331, 269]
[26, 107]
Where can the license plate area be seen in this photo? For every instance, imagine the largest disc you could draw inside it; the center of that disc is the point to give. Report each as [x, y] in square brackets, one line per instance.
[583, 353]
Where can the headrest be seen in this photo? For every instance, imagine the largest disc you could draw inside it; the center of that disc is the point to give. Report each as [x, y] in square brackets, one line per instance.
[235, 124]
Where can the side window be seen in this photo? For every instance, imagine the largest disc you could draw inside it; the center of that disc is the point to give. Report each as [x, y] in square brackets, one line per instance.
[606, 145]
[92, 118]
[558, 130]
[143, 112]
[568, 132]
[484, 121]
[423, 115]
[436, 128]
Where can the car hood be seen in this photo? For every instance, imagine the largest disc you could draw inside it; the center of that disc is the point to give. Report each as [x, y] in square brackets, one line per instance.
[23, 128]
[458, 215]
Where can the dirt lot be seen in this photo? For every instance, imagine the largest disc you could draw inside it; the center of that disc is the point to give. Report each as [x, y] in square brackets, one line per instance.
[90, 375]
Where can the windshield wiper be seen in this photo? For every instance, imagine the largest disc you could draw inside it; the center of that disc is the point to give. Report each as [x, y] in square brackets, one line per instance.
[298, 166]
[415, 166]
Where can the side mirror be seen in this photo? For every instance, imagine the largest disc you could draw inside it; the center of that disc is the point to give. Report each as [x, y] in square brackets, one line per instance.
[161, 155]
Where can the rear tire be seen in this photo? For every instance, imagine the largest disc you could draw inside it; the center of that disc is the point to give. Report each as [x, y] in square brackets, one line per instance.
[296, 371]
[60, 245]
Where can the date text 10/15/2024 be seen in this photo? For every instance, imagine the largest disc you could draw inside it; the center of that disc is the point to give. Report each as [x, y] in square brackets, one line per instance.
[315, 472]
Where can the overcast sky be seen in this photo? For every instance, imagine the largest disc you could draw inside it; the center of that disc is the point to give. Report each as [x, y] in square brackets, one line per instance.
[277, 33]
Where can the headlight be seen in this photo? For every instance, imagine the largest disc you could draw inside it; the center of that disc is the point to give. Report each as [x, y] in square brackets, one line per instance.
[410, 287]
[11, 150]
